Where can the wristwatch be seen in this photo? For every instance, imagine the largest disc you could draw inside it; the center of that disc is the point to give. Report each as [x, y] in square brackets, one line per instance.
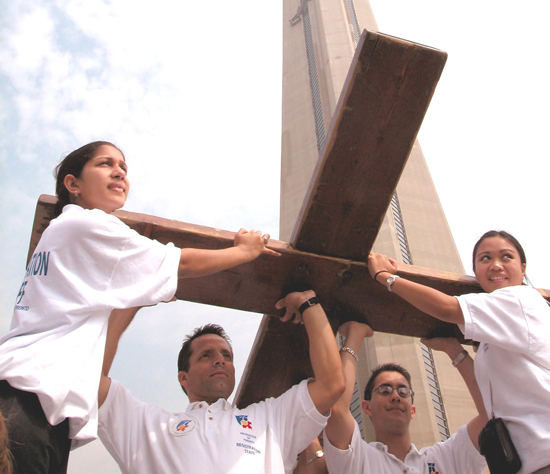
[308, 304]
[460, 357]
[390, 281]
[318, 454]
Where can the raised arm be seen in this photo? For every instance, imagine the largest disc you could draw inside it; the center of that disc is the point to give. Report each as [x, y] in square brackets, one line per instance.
[311, 460]
[118, 322]
[341, 423]
[465, 365]
[248, 245]
[426, 299]
[323, 351]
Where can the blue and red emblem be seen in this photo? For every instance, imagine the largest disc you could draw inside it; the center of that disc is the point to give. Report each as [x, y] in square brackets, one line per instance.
[243, 421]
[182, 425]
[432, 469]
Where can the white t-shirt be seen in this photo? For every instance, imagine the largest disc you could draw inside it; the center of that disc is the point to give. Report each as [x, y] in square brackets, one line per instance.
[264, 437]
[513, 326]
[86, 263]
[457, 455]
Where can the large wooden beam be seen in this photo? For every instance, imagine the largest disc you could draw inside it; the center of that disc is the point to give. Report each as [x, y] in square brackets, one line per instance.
[281, 350]
[381, 107]
[346, 288]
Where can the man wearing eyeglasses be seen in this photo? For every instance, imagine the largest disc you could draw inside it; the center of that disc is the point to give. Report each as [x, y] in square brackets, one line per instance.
[389, 402]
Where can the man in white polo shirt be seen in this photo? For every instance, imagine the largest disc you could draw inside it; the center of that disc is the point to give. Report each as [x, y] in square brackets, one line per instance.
[212, 436]
[389, 404]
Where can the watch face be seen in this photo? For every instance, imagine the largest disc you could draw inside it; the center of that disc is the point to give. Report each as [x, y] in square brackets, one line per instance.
[390, 280]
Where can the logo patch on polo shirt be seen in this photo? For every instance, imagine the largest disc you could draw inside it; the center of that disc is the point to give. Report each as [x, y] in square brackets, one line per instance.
[432, 469]
[243, 421]
[183, 427]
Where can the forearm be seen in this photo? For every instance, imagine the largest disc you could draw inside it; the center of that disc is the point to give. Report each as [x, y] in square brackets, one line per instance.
[429, 300]
[119, 321]
[202, 262]
[465, 365]
[349, 366]
[323, 352]
[309, 463]
[426, 299]
[341, 424]
[466, 369]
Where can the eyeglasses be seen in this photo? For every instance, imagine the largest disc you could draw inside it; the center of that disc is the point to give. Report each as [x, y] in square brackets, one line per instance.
[385, 390]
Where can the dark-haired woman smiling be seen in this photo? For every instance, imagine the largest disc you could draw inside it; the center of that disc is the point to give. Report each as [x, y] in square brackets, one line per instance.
[512, 322]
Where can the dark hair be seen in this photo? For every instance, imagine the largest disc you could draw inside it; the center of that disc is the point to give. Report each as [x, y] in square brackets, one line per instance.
[185, 352]
[388, 367]
[73, 164]
[5, 454]
[506, 236]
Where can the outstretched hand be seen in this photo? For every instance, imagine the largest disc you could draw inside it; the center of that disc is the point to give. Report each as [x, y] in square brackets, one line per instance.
[361, 330]
[449, 345]
[253, 243]
[378, 262]
[292, 302]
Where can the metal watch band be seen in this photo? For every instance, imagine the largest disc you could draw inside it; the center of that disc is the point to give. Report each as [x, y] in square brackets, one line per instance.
[460, 357]
[350, 351]
[308, 304]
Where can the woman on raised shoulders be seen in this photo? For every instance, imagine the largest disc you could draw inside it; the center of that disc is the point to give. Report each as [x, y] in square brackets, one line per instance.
[87, 263]
[512, 322]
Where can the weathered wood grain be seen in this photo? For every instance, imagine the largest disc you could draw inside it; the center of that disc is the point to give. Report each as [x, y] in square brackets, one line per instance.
[345, 286]
[381, 107]
[385, 97]
[281, 350]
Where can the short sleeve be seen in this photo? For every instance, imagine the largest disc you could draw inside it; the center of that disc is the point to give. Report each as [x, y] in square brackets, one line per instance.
[116, 266]
[345, 461]
[457, 454]
[121, 423]
[296, 420]
[515, 318]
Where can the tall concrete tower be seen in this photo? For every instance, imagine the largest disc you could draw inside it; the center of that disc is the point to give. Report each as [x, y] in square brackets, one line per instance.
[319, 39]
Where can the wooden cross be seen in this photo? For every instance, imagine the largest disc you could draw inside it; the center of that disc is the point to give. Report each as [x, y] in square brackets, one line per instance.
[379, 113]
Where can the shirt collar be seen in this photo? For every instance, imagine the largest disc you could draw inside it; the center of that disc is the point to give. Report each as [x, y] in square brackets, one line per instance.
[222, 405]
[382, 447]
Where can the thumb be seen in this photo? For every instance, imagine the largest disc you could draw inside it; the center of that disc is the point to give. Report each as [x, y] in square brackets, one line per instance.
[280, 304]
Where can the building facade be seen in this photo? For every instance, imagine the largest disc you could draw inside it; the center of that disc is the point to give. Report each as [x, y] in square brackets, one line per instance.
[319, 40]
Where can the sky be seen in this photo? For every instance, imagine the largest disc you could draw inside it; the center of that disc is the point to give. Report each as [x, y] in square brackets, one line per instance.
[191, 92]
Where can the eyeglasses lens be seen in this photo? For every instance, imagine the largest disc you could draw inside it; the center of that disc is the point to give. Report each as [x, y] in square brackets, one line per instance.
[403, 392]
[386, 390]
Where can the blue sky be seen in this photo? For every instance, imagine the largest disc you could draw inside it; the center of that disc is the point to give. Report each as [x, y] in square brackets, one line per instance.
[191, 92]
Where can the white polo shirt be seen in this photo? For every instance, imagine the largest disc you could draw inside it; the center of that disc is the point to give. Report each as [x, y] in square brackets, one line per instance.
[513, 326]
[265, 437]
[457, 455]
[86, 263]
